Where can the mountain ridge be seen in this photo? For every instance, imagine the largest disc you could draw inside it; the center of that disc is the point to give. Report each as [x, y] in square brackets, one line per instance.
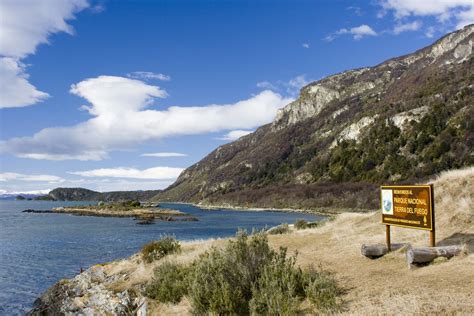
[403, 120]
[82, 194]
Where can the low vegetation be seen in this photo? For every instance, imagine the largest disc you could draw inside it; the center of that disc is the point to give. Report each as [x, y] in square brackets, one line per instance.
[158, 249]
[244, 277]
[278, 230]
[131, 203]
[301, 224]
[170, 283]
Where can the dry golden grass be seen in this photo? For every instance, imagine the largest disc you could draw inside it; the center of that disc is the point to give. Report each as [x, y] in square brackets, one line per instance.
[385, 286]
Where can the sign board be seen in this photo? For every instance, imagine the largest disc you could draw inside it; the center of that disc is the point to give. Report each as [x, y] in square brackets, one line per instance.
[408, 206]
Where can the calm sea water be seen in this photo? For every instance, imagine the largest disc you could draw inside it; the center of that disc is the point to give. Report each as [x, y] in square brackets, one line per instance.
[36, 250]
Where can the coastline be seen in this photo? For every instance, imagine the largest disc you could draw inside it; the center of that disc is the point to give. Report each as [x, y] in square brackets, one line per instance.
[323, 211]
[117, 286]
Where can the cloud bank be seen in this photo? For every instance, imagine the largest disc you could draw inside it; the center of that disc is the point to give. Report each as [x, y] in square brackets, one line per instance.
[12, 176]
[460, 12]
[24, 26]
[121, 119]
[234, 135]
[157, 173]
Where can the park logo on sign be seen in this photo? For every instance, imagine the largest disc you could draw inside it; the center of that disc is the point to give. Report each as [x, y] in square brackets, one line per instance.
[387, 202]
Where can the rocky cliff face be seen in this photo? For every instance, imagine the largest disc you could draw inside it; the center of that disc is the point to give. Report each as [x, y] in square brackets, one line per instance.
[454, 48]
[405, 119]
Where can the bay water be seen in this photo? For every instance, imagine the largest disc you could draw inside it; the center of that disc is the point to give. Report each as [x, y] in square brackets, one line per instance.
[37, 250]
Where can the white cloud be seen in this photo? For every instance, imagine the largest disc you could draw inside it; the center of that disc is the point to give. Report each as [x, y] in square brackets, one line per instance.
[148, 75]
[298, 82]
[233, 135]
[12, 176]
[291, 87]
[406, 27]
[120, 120]
[357, 32]
[465, 17]
[357, 10]
[35, 192]
[15, 90]
[157, 173]
[305, 45]
[430, 31]
[266, 85]
[162, 155]
[111, 95]
[461, 11]
[24, 26]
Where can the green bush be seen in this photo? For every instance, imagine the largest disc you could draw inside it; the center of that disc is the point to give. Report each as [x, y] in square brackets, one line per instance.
[280, 288]
[157, 249]
[131, 203]
[170, 283]
[322, 291]
[223, 278]
[278, 230]
[245, 277]
[301, 224]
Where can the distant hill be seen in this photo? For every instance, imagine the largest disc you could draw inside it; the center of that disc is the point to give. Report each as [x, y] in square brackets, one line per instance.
[18, 196]
[403, 120]
[81, 194]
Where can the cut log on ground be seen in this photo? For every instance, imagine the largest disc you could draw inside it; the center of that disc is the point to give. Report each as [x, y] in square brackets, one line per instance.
[428, 254]
[378, 250]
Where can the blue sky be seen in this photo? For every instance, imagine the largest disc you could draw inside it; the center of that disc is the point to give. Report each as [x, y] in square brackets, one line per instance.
[119, 95]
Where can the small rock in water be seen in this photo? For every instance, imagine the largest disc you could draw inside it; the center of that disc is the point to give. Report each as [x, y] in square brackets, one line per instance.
[37, 211]
[148, 221]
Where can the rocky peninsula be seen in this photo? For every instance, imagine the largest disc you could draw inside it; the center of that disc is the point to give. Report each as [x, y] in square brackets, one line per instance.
[145, 213]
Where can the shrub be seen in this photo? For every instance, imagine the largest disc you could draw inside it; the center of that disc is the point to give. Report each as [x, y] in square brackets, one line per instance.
[278, 230]
[170, 283]
[158, 249]
[131, 203]
[245, 277]
[301, 224]
[223, 278]
[280, 288]
[322, 291]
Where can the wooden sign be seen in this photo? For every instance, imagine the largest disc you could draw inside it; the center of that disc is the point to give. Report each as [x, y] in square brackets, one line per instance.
[407, 206]
[410, 206]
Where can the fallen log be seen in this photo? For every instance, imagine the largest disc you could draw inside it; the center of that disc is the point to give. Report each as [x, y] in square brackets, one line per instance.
[378, 250]
[428, 254]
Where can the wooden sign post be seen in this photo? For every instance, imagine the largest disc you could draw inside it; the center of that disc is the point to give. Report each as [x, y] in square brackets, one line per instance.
[410, 206]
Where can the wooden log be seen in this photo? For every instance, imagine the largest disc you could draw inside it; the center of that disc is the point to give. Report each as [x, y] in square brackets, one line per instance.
[378, 250]
[428, 254]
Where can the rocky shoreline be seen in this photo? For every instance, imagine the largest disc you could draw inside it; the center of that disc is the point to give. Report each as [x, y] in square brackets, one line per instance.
[326, 211]
[89, 293]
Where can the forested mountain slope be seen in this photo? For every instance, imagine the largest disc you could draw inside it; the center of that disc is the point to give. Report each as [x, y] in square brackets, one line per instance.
[403, 120]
